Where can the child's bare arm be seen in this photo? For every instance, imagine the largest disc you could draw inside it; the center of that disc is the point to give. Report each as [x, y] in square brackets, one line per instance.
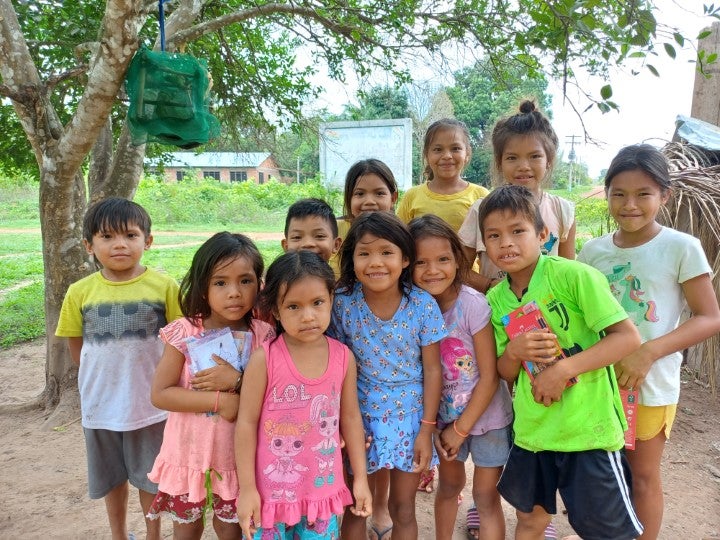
[484, 348]
[223, 377]
[536, 346]
[75, 345]
[619, 340]
[166, 394]
[246, 440]
[353, 433]
[705, 322]
[432, 386]
[567, 248]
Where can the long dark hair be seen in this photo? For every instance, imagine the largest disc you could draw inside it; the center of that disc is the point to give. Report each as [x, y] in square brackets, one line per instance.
[387, 226]
[220, 249]
[286, 270]
[431, 226]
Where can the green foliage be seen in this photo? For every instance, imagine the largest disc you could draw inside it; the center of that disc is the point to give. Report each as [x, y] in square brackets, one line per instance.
[241, 205]
[481, 96]
[22, 316]
[378, 103]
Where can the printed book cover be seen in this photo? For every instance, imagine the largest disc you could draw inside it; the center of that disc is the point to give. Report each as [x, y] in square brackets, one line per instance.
[526, 319]
[629, 400]
[233, 347]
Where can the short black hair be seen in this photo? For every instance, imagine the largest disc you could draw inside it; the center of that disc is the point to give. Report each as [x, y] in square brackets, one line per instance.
[115, 214]
[311, 207]
[515, 199]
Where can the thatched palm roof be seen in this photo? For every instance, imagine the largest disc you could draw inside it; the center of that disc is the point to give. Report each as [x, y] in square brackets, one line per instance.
[694, 208]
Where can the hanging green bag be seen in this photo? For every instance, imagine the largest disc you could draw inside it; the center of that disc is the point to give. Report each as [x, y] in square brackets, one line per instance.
[169, 99]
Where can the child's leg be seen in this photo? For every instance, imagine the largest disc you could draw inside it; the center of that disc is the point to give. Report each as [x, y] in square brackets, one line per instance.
[355, 527]
[225, 530]
[487, 501]
[451, 481]
[531, 526]
[152, 526]
[381, 522]
[401, 503]
[647, 483]
[116, 502]
[188, 531]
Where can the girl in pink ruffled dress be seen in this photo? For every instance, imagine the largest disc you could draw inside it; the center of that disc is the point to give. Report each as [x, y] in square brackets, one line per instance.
[300, 395]
[195, 468]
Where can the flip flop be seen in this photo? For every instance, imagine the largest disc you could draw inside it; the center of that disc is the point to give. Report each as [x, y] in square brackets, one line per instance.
[426, 480]
[379, 534]
[551, 532]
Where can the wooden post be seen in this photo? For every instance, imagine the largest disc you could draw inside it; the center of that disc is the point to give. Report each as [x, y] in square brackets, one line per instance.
[706, 92]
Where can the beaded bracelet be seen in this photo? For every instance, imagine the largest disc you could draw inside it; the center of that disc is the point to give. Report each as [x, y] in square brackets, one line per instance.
[217, 401]
[463, 435]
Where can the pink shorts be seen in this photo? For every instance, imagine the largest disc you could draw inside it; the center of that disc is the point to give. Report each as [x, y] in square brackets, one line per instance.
[183, 511]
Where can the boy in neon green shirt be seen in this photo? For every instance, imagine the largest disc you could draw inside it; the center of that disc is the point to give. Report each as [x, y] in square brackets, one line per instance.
[567, 439]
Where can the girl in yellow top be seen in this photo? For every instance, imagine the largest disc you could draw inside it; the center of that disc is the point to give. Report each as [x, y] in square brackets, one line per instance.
[446, 152]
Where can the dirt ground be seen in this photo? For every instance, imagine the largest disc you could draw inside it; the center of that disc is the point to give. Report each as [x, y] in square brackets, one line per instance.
[44, 489]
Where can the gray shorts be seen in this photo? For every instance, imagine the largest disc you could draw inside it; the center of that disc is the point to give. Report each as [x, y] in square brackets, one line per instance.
[114, 457]
[490, 449]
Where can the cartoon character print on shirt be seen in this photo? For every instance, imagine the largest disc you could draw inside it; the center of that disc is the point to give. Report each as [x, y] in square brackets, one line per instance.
[627, 289]
[325, 416]
[285, 440]
[547, 247]
[457, 364]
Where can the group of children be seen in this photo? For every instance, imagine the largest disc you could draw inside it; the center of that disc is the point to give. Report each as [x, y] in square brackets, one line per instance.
[379, 352]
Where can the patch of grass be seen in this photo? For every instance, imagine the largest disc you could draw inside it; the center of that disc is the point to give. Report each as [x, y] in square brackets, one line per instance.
[22, 316]
[20, 243]
[19, 268]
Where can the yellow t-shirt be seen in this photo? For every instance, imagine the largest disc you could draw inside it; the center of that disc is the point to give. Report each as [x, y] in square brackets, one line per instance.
[420, 200]
[343, 228]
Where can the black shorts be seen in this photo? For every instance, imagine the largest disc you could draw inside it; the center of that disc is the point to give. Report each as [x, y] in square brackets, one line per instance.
[595, 486]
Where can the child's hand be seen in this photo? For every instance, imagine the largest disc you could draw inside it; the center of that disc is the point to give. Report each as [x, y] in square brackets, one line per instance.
[248, 512]
[228, 406]
[422, 452]
[632, 370]
[439, 447]
[549, 384]
[221, 377]
[451, 441]
[362, 496]
[535, 346]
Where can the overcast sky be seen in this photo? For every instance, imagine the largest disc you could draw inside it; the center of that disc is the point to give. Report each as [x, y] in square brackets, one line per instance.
[648, 105]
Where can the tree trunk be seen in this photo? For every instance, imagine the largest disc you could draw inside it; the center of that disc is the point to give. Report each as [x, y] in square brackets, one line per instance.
[62, 206]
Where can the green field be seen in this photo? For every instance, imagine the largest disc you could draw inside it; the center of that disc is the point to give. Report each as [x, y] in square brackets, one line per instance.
[179, 212]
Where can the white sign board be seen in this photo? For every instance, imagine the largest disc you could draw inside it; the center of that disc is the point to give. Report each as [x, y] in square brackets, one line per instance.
[344, 143]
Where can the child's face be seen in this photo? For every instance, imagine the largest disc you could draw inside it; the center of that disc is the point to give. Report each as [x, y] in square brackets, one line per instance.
[304, 309]
[447, 155]
[511, 241]
[232, 290]
[524, 162]
[371, 194]
[634, 200]
[435, 266]
[378, 263]
[311, 233]
[119, 252]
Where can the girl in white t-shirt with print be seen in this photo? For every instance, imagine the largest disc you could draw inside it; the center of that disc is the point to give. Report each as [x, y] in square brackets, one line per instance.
[654, 272]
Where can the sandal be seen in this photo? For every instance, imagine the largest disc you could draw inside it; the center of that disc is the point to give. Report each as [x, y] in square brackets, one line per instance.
[551, 532]
[426, 480]
[472, 524]
[379, 534]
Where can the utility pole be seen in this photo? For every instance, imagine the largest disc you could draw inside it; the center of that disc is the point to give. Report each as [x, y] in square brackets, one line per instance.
[571, 159]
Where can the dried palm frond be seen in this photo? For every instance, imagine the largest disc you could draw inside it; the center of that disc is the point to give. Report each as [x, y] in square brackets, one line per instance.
[694, 208]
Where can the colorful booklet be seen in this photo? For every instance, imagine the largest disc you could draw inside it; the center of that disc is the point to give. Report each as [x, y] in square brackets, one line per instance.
[232, 346]
[526, 319]
[629, 400]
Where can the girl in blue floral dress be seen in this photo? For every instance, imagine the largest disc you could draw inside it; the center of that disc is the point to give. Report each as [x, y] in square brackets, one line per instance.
[394, 330]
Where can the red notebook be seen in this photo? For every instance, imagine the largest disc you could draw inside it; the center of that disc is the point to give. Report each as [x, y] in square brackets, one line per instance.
[526, 319]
